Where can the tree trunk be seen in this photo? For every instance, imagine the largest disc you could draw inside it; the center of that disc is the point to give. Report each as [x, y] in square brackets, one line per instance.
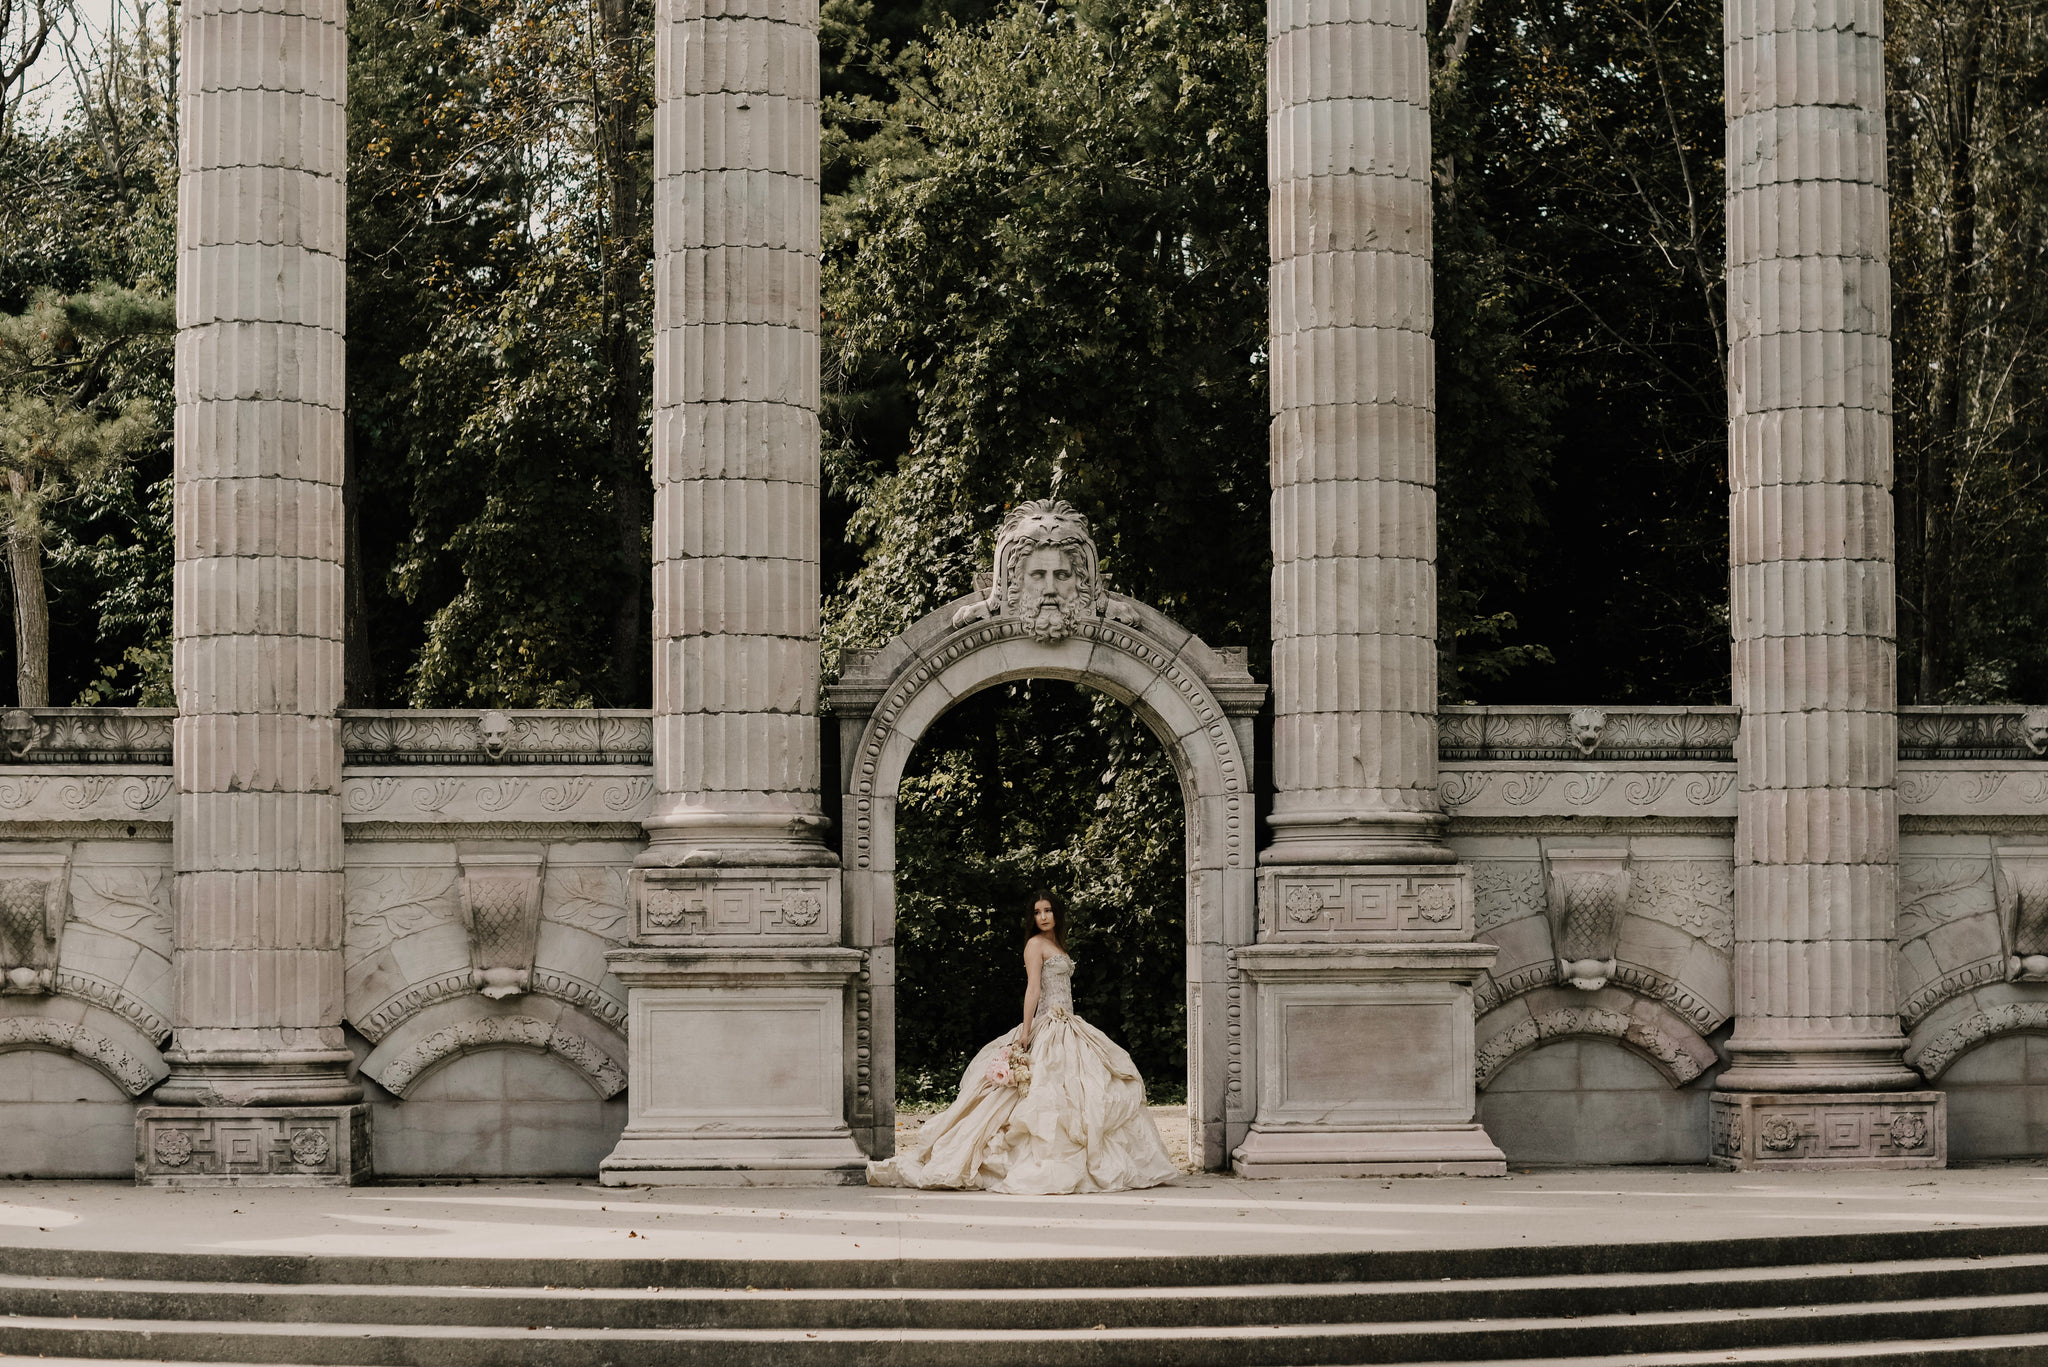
[31, 618]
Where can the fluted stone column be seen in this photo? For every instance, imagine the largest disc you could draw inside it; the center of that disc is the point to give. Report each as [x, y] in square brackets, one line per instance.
[1365, 961]
[1811, 598]
[257, 600]
[738, 989]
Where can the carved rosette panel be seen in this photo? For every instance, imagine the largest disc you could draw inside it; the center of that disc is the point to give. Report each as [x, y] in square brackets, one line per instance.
[284, 1146]
[2023, 911]
[1585, 892]
[699, 906]
[500, 892]
[1308, 903]
[35, 894]
[1754, 1131]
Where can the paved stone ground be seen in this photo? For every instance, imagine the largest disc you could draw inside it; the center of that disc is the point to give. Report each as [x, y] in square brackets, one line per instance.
[1201, 1213]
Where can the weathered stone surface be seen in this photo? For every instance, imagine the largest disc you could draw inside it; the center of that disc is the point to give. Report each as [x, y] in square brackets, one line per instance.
[257, 596]
[1810, 551]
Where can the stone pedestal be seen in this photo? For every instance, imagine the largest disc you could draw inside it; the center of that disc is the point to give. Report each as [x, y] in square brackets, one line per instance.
[1365, 1061]
[739, 1068]
[1778, 1131]
[237, 1146]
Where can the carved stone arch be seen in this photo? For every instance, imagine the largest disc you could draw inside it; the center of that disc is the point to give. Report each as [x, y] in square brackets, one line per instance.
[425, 1041]
[1933, 1050]
[1642, 1026]
[1199, 702]
[100, 1040]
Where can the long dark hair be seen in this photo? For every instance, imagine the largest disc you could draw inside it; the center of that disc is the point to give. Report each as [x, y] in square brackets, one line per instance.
[1059, 919]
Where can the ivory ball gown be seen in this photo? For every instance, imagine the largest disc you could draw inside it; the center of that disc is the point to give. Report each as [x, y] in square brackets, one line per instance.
[1081, 1125]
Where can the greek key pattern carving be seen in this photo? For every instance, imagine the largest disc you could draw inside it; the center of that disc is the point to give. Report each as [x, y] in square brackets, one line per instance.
[1701, 734]
[672, 907]
[1215, 726]
[1933, 1056]
[386, 738]
[1302, 905]
[605, 1072]
[498, 798]
[328, 1144]
[35, 1032]
[1793, 1132]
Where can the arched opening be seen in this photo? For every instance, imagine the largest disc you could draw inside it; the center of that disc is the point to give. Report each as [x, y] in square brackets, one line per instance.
[1198, 704]
[1593, 1100]
[503, 1112]
[1028, 784]
[1998, 1098]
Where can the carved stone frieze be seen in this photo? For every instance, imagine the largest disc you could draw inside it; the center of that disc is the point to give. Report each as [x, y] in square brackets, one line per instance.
[1579, 789]
[1046, 574]
[2023, 910]
[1698, 734]
[271, 1146]
[1584, 893]
[699, 906]
[1940, 1048]
[1678, 1054]
[87, 735]
[392, 738]
[60, 796]
[500, 897]
[468, 797]
[35, 896]
[1349, 902]
[1505, 890]
[1972, 733]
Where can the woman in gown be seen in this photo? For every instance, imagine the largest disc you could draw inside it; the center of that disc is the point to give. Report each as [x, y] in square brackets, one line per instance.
[1078, 1124]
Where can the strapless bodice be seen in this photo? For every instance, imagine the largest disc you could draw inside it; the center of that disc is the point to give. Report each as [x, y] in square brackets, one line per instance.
[1055, 986]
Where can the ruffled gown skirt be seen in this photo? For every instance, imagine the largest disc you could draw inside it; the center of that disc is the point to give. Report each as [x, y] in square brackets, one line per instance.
[1082, 1126]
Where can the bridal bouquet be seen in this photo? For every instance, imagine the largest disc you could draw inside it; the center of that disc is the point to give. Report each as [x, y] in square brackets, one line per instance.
[1012, 1069]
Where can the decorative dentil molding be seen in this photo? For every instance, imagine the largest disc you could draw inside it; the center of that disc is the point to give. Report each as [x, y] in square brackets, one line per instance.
[609, 737]
[35, 896]
[1585, 891]
[1046, 574]
[500, 897]
[128, 1072]
[2022, 885]
[605, 1073]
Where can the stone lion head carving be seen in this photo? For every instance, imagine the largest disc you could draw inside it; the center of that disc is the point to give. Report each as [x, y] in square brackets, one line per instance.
[19, 730]
[495, 731]
[2034, 726]
[1587, 723]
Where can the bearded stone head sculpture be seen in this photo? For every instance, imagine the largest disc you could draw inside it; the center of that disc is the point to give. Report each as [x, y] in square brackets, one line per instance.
[1046, 574]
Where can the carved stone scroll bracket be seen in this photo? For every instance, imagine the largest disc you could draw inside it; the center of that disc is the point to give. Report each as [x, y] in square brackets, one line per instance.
[1585, 892]
[2023, 911]
[35, 897]
[501, 911]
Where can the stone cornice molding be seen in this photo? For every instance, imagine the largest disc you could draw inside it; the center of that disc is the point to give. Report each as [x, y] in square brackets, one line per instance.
[1932, 1050]
[608, 736]
[1701, 735]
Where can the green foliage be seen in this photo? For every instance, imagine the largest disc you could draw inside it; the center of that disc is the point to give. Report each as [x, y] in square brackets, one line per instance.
[497, 373]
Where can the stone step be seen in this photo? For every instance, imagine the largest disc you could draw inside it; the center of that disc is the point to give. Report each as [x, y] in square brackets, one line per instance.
[1989, 1350]
[746, 1307]
[314, 1344]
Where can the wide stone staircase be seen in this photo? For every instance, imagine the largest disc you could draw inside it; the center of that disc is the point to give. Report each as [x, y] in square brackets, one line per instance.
[1942, 1296]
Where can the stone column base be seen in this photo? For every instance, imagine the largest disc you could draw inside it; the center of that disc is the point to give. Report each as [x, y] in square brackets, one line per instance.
[1365, 1061]
[737, 1064]
[1419, 1151]
[1781, 1131]
[252, 1146]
